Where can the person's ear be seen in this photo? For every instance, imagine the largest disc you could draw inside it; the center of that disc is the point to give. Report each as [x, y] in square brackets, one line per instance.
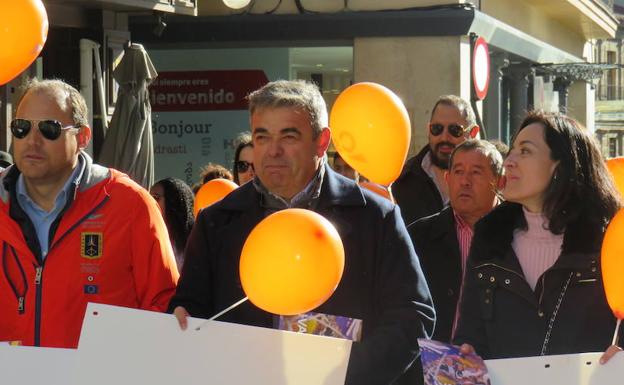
[323, 142]
[83, 136]
[474, 131]
[446, 177]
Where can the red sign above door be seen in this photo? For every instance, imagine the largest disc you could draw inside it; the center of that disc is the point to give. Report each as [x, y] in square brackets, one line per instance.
[204, 90]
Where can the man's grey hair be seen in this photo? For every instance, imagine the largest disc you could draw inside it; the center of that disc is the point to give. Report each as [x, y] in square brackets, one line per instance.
[484, 147]
[292, 93]
[463, 106]
[65, 94]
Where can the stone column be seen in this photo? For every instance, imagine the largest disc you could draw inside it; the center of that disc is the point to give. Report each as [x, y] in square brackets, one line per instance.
[418, 69]
[518, 75]
[562, 85]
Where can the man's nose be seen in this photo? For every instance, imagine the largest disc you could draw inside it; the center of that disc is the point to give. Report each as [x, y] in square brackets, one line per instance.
[446, 135]
[34, 135]
[275, 148]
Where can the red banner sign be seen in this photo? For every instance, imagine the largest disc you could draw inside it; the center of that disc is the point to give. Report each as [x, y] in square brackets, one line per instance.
[204, 90]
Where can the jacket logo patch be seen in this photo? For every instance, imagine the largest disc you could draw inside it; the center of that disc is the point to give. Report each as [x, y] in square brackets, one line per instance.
[91, 245]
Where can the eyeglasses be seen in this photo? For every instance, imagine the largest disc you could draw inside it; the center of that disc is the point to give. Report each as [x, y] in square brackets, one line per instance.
[243, 166]
[50, 129]
[456, 130]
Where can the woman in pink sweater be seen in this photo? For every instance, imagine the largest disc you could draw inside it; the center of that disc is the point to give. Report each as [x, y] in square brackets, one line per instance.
[533, 284]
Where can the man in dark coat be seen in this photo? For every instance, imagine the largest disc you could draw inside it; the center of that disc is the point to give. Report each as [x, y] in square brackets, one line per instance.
[442, 240]
[420, 189]
[382, 282]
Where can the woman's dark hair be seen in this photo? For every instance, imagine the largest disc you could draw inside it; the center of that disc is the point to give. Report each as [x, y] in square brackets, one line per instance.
[581, 186]
[243, 140]
[178, 210]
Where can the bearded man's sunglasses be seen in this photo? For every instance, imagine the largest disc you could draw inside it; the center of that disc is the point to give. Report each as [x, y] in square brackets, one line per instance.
[455, 130]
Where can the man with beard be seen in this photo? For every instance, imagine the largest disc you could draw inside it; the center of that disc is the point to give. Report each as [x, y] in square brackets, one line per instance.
[421, 190]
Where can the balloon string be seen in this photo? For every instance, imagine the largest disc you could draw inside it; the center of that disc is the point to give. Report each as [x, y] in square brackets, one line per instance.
[221, 313]
[615, 335]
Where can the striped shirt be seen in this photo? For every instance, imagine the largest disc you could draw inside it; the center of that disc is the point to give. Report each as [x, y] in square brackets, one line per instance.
[464, 239]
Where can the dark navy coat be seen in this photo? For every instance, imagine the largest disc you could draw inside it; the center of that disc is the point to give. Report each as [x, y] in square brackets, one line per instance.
[382, 283]
[435, 241]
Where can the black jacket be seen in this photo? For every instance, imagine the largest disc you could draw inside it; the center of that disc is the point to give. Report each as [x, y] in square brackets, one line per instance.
[382, 283]
[415, 192]
[435, 241]
[501, 316]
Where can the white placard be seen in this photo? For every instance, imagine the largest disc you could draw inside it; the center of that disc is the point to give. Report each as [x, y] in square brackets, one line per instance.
[25, 365]
[128, 346]
[568, 369]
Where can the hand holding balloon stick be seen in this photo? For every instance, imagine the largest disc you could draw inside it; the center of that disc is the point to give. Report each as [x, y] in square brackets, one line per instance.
[371, 131]
[290, 272]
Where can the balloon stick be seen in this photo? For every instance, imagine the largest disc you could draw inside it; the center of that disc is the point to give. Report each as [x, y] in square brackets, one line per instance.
[615, 335]
[221, 313]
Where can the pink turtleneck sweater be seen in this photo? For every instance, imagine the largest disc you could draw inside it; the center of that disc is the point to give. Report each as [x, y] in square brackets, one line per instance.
[537, 248]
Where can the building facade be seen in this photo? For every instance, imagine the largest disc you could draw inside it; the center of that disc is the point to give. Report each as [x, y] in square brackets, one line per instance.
[81, 32]
[610, 90]
[422, 48]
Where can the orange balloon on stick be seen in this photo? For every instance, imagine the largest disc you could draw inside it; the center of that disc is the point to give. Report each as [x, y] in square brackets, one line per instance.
[371, 131]
[211, 192]
[291, 262]
[612, 262]
[378, 189]
[23, 32]
[616, 167]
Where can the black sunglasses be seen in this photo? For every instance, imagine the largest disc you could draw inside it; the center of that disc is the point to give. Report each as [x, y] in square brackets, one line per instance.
[50, 129]
[456, 130]
[242, 165]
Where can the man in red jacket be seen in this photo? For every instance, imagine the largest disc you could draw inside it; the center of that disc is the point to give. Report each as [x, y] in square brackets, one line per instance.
[71, 231]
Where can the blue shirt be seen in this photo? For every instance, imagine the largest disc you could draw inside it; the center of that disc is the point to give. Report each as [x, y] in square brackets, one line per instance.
[41, 219]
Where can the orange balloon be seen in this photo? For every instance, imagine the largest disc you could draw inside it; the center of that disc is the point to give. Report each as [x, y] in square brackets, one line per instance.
[616, 167]
[612, 262]
[378, 189]
[23, 32]
[291, 262]
[211, 192]
[371, 131]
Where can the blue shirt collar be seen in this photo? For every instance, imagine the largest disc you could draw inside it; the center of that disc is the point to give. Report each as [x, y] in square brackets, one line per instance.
[61, 199]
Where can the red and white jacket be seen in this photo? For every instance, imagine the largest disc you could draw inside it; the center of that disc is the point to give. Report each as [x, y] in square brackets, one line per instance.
[110, 246]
